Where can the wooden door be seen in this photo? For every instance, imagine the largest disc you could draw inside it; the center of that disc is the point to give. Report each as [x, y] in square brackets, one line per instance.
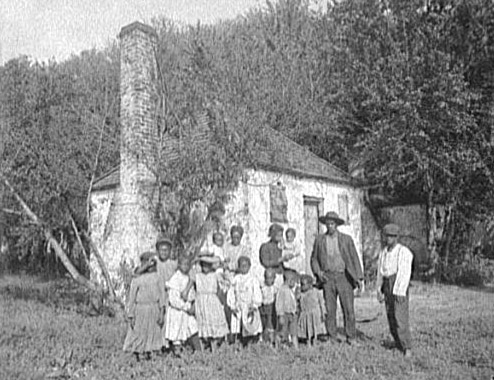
[312, 211]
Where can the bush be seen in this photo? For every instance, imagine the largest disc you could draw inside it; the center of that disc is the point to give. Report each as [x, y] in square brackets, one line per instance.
[475, 272]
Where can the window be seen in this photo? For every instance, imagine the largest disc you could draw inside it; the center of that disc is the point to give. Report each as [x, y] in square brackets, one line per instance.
[343, 207]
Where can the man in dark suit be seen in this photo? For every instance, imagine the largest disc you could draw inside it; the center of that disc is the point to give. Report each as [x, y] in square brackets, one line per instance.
[336, 264]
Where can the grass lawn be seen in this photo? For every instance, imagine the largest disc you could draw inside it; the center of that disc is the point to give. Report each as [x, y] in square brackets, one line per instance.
[45, 335]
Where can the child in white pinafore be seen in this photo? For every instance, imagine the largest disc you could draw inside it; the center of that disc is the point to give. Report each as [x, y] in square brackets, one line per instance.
[180, 322]
[244, 299]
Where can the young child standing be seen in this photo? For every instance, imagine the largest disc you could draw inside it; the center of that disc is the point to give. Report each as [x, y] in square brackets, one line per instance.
[180, 323]
[166, 266]
[145, 310]
[286, 309]
[267, 309]
[312, 311]
[244, 299]
[210, 313]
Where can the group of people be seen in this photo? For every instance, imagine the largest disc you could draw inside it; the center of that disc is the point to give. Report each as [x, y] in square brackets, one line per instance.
[215, 298]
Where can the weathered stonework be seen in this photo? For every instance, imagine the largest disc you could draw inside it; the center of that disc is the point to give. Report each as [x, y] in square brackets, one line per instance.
[122, 221]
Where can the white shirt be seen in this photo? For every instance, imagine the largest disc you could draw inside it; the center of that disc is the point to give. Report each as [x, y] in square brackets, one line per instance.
[395, 261]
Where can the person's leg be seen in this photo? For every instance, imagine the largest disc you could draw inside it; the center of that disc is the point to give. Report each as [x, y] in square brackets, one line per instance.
[401, 317]
[330, 296]
[389, 302]
[195, 342]
[345, 291]
[293, 328]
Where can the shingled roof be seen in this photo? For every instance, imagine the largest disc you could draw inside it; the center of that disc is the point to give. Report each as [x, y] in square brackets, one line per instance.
[289, 157]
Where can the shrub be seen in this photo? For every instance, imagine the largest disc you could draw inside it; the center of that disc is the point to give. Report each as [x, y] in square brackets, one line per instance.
[475, 272]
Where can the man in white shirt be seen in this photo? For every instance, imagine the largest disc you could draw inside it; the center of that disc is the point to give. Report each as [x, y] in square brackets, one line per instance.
[393, 278]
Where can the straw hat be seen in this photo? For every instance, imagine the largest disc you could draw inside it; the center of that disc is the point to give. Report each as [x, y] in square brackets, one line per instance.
[331, 216]
[251, 322]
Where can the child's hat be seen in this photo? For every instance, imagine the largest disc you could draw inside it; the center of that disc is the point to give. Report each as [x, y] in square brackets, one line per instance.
[147, 255]
[251, 321]
[208, 259]
[163, 240]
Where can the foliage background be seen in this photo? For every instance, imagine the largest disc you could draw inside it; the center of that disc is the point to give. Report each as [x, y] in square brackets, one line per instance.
[402, 89]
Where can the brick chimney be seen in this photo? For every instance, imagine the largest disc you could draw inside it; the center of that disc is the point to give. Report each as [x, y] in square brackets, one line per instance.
[139, 97]
[128, 225]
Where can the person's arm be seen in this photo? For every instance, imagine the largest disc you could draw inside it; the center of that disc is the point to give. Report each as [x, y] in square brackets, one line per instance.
[405, 259]
[256, 294]
[231, 300]
[379, 281]
[131, 303]
[176, 300]
[354, 258]
[314, 261]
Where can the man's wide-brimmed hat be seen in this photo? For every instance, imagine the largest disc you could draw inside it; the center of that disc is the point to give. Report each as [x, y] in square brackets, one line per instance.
[147, 255]
[391, 229]
[331, 216]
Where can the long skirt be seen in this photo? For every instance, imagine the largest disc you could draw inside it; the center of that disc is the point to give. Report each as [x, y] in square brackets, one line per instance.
[146, 335]
[211, 319]
[310, 324]
[179, 325]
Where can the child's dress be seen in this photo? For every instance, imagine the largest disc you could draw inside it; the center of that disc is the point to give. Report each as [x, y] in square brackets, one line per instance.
[210, 313]
[166, 269]
[286, 306]
[179, 324]
[312, 312]
[146, 298]
[244, 294]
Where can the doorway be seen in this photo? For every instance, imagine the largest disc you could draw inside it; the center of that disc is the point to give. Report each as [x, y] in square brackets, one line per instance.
[313, 209]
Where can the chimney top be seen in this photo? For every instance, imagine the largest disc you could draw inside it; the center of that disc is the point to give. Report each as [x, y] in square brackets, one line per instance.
[137, 25]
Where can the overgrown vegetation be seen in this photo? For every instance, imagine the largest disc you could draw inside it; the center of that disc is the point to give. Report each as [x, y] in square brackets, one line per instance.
[402, 89]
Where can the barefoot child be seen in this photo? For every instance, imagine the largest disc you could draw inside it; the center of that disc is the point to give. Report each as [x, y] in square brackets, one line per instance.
[146, 306]
[244, 299]
[267, 309]
[286, 309]
[312, 311]
[210, 313]
[180, 323]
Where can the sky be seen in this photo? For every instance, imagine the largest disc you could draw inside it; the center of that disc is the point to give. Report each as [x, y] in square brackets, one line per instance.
[55, 29]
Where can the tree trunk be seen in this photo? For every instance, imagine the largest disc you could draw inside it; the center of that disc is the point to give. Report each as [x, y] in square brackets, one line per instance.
[450, 230]
[431, 237]
[60, 253]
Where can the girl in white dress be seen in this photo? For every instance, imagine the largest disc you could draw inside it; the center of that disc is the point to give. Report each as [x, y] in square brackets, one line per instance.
[244, 299]
[180, 322]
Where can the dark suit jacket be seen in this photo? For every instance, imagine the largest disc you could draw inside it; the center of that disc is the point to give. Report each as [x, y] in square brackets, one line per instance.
[320, 257]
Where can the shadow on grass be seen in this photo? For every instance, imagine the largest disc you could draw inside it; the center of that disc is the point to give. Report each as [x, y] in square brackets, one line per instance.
[61, 293]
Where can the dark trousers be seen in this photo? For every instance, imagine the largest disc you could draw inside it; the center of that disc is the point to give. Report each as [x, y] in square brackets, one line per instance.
[397, 315]
[339, 285]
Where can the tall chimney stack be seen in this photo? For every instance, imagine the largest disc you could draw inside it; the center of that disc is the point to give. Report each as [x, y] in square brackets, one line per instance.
[139, 98]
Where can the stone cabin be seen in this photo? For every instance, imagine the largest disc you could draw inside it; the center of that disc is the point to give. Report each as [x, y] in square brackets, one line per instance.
[294, 189]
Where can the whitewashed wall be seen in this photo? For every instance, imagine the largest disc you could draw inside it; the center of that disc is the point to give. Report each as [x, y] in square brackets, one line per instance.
[250, 207]
[121, 231]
